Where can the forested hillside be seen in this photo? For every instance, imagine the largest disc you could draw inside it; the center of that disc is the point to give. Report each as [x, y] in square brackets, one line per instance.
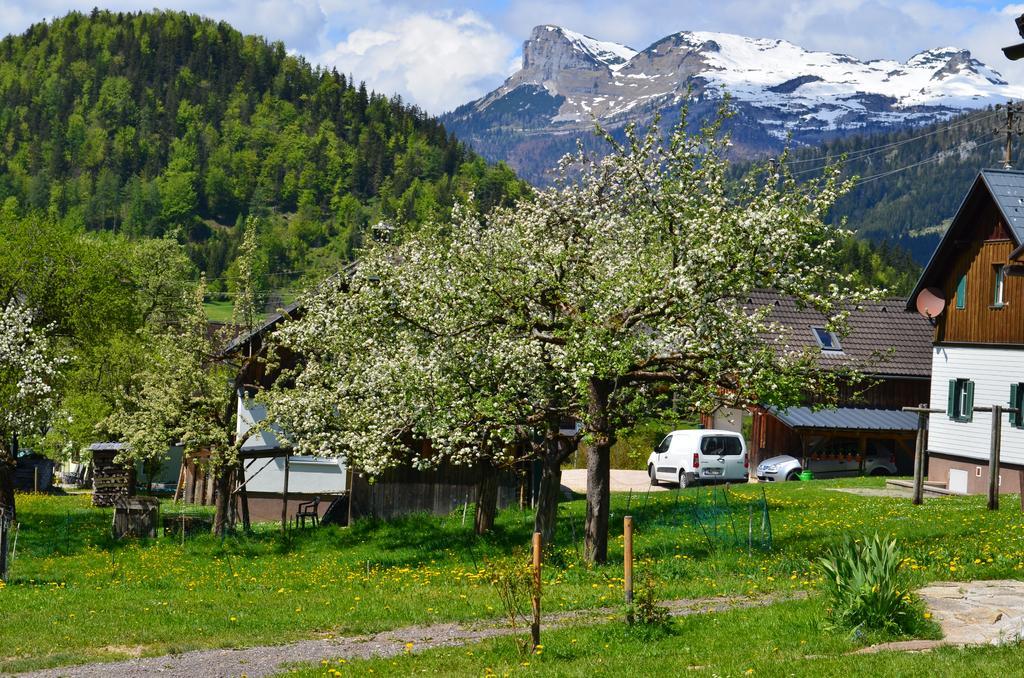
[166, 122]
[911, 181]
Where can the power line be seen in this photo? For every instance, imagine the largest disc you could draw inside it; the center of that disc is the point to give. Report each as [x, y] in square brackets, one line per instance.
[874, 150]
[937, 154]
[933, 158]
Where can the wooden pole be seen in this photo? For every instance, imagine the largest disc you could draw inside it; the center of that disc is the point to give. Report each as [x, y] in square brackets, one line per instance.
[4, 523]
[35, 479]
[922, 422]
[535, 626]
[180, 487]
[1020, 485]
[244, 496]
[284, 497]
[993, 460]
[627, 565]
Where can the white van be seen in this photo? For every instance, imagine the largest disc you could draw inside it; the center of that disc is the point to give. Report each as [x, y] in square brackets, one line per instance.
[702, 455]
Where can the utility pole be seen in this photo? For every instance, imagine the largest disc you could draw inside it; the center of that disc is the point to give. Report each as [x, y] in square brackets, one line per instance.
[1012, 124]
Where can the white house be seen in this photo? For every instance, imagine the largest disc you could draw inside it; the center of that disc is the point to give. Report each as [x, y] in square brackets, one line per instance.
[973, 290]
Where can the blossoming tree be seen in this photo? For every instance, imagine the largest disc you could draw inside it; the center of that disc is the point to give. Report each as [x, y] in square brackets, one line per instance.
[182, 397]
[29, 367]
[622, 287]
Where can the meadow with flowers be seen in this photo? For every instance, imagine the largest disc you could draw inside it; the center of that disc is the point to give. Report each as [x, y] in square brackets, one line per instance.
[77, 596]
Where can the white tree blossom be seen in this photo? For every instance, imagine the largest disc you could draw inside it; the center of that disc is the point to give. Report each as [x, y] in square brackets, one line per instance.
[625, 284]
[29, 368]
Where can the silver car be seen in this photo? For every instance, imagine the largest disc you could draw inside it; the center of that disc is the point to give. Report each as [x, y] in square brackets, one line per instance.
[786, 467]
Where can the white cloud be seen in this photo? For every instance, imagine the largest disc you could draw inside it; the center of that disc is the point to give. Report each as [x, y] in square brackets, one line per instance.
[438, 61]
[442, 53]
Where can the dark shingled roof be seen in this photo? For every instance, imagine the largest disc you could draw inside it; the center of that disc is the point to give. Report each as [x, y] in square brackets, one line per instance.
[1006, 190]
[883, 338]
[108, 447]
[1007, 187]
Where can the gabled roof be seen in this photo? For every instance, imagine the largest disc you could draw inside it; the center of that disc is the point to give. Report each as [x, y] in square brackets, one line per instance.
[1006, 190]
[290, 312]
[883, 338]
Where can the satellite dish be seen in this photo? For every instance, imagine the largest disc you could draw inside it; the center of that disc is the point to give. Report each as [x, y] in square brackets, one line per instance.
[1015, 270]
[931, 302]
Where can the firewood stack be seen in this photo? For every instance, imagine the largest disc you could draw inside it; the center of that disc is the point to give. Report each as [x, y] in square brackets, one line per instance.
[111, 481]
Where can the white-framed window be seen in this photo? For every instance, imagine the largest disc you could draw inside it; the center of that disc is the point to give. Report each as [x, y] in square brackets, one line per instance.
[1000, 286]
[827, 340]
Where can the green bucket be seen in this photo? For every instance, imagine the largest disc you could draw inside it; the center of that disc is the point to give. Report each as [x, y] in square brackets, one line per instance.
[806, 475]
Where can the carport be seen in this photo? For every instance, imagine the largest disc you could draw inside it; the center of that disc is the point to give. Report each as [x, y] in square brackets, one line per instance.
[848, 433]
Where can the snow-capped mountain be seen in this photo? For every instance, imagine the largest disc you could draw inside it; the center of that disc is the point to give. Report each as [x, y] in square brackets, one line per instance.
[568, 80]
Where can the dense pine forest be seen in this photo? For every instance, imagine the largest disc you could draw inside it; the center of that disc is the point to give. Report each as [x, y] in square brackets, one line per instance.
[166, 123]
[911, 181]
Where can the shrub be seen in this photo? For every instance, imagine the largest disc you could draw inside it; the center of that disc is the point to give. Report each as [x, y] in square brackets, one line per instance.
[867, 588]
[645, 609]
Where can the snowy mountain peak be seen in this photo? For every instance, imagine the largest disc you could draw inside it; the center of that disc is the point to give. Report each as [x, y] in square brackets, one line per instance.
[779, 89]
[612, 54]
[551, 45]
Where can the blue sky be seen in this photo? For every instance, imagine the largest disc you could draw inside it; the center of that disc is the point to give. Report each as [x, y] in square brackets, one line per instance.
[441, 53]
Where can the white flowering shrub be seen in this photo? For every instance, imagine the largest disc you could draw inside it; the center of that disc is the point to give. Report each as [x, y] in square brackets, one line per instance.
[29, 370]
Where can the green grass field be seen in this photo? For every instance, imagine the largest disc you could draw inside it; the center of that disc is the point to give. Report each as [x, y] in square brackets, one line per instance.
[75, 596]
[785, 639]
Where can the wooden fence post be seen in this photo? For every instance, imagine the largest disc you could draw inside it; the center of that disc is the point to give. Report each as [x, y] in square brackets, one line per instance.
[4, 524]
[627, 565]
[284, 497]
[922, 422]
[993, 461]
[535, 626]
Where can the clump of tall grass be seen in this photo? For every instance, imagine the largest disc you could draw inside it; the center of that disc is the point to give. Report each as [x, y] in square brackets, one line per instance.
[868, 589]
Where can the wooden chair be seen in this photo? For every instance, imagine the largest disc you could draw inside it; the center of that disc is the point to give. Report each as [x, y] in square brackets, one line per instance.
[308, 509]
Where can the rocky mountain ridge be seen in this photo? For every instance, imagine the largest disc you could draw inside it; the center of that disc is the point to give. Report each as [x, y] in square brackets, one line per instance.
[779, 90]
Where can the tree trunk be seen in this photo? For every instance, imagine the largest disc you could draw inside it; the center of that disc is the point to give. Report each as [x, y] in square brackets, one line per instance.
[595, 548]
[8, 463]
[7, 482]
[546, 517]
[222, 499]
[244, 498]
[486, 499]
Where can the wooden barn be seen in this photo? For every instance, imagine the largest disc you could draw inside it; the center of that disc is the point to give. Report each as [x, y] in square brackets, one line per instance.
[274, 479]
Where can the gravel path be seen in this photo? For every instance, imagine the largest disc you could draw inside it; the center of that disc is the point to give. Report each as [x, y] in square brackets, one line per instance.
[268, 660]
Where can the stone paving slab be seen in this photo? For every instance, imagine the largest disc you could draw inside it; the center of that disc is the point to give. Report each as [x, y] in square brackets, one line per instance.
[977, 612]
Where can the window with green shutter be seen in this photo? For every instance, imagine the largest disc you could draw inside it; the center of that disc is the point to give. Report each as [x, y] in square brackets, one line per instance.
[1017, 401]
[961, 292]
[961, 400]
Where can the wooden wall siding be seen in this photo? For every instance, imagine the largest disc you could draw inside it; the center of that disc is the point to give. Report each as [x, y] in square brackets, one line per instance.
[887, 393]
[993, 370]
[406, 490]
[979, 322]
[770, 437]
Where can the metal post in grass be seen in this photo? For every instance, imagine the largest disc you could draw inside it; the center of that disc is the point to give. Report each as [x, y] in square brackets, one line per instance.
[535, 626]
[627, 565]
